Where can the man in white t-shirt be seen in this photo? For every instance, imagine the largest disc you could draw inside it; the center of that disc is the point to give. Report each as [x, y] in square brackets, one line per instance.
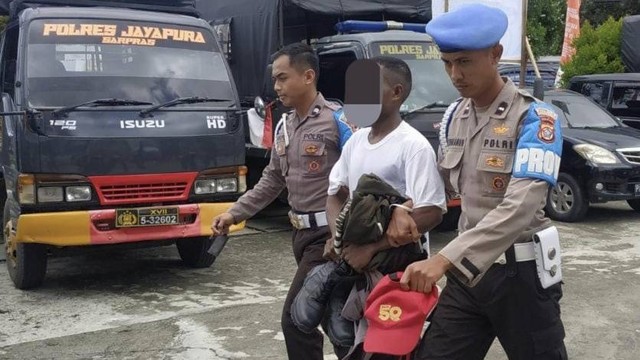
[399, 155]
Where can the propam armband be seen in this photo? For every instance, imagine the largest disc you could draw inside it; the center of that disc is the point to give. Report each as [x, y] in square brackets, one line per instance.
[539, 148]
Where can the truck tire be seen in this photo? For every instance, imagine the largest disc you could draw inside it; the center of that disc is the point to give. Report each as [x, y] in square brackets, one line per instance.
[635, 204]
[26, 263]
[193, 252]
[566, 201]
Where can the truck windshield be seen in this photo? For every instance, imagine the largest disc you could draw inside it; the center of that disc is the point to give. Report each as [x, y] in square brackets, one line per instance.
[431, 84]
[71, 61]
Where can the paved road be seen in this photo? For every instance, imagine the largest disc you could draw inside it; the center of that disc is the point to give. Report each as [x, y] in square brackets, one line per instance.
[144, 304]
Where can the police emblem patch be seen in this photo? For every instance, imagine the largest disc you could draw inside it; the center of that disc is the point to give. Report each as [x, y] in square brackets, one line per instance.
[499, 183]
[500, 130]
[495, 162]
[547, 117]
[314, 166]
[311, 149]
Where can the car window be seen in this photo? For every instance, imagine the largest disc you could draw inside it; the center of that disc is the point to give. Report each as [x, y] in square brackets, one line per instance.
[580, 112]
[597, 91]
[626, 96]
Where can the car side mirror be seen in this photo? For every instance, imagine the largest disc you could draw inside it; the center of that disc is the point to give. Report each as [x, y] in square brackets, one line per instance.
[259, 106]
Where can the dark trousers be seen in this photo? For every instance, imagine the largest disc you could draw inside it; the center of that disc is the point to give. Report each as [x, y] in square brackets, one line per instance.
[508, 303]
[308, 247]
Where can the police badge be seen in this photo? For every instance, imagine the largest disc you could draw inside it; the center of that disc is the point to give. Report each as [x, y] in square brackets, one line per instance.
[547, 124]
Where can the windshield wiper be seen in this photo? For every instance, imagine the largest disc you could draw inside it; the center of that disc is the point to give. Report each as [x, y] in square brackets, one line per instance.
[100, 102]
[182, 100]
[435, 104]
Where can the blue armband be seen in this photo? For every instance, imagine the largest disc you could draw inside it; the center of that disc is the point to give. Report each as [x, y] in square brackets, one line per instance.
[539, 148]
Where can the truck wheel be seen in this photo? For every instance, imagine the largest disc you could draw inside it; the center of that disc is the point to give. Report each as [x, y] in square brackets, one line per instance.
[450, 219]
[193, 252]
[635, 204]
[27, 263]
[566, 201]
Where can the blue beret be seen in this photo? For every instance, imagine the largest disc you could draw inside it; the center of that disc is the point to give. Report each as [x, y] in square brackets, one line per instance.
[470, 27]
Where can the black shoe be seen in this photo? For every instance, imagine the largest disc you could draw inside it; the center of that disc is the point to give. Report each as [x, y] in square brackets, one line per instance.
[308, 307]
[340, 331]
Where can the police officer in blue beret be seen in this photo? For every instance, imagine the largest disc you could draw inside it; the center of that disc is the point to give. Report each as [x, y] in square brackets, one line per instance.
[500, 150]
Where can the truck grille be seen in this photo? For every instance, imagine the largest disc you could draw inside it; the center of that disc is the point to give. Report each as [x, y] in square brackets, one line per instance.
[632, 155]
[133, 189]
[143, 191]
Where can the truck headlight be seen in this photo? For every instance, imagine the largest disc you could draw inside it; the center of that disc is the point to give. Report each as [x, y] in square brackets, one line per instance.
[50, 194]
[596, 154]
[205, 186]
[78, 193]
[227, 185]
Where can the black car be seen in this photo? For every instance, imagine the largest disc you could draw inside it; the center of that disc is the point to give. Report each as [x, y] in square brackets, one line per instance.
[600, 159]
[548, 72]
[618, 93]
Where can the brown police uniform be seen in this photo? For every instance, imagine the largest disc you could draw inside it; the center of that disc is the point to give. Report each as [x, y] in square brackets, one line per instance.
[498, 293]
[304, 152]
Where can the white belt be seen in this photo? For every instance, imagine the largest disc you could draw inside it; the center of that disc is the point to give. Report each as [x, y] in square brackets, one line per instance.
[304, 221]
[524, 252]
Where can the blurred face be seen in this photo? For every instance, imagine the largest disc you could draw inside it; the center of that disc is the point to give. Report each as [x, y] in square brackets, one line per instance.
[472, 72]
[290, 82]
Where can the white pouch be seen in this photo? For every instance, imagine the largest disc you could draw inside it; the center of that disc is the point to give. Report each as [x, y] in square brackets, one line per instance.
[546, 244]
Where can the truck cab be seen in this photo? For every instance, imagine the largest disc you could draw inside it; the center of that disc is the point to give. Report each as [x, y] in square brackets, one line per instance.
[121, 126]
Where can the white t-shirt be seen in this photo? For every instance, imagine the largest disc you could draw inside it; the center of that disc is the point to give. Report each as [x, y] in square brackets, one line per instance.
[404, 159]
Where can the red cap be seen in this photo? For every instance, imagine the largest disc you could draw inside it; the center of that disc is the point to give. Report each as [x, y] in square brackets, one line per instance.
[396, 317]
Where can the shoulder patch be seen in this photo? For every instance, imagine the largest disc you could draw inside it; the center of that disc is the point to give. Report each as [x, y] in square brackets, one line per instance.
[345, 130]
[539, 148]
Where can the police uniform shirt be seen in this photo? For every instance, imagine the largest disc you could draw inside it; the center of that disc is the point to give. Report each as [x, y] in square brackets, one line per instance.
[501, 162]
[302, 163]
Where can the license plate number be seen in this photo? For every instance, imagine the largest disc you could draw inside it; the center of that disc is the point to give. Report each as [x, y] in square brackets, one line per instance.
[146, 217]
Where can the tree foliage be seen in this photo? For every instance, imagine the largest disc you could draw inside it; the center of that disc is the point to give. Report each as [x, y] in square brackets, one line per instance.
[545, 26]
[597, 50]
[598, 11]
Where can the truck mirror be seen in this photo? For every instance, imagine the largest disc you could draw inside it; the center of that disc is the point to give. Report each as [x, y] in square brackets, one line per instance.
[258, 105]
[363, 92]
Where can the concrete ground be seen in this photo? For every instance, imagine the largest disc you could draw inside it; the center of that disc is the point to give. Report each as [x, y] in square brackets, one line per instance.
[145, 304]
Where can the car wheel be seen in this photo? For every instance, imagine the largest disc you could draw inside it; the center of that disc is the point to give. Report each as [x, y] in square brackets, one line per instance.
[194, 252]
[566, 201]
[26, 263]
[635, 204]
